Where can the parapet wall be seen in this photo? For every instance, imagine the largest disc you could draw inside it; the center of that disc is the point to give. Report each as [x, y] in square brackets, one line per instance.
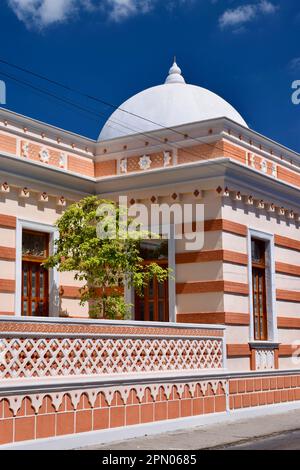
[68, 381]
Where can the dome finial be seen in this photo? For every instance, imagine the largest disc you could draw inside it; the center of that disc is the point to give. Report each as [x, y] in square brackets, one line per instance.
[175, 74]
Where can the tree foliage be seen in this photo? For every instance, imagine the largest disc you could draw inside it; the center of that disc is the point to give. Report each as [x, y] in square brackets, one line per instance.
[104, 265]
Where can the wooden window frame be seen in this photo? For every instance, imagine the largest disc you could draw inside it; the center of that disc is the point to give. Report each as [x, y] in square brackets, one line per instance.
[31, 261]
[38, 259]
[260, 319]
[54, 303]
[269, 263]
[156, 299]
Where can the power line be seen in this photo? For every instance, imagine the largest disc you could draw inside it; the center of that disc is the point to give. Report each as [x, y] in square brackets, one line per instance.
[97, 113]
[66, 101]
[231, 153]
[119, 123]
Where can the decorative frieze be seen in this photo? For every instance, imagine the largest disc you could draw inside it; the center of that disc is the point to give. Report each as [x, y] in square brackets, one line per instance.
[123, 165]
[44, 155]
[238, 196]
[198, 194]
[145, 162]
[44, 197]
[271, 207]
[5, 188]
[25, 149]
[195, 389]
[61, 201]
[62, 160]
[264, 166]
[167, 158]
[260, 204]
[24, 193]
[249, 200]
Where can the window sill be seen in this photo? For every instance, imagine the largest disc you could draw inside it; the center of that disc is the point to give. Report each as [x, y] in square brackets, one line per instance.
[263, 345]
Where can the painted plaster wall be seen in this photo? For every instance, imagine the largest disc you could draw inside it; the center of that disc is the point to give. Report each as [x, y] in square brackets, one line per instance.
[261, 221]
[32, 210]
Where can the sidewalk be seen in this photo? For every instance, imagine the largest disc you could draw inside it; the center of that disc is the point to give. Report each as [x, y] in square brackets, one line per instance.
[212, 435]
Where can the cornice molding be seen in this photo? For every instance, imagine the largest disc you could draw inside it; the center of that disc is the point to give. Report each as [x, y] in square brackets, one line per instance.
[209, 173]
[50, 176]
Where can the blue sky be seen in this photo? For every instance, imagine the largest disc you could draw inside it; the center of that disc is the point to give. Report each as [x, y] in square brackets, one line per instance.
[246, 51]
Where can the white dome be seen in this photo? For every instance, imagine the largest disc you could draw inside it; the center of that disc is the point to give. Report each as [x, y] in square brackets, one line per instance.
[172, 104]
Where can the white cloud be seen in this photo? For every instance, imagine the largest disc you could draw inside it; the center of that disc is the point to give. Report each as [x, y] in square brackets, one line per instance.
[121, 9]
[267, 7]
[294, 65]
[237, 16]
[243, 14]
[42, 13]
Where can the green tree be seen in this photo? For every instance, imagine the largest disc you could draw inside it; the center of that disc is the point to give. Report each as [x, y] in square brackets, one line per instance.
[103, 264]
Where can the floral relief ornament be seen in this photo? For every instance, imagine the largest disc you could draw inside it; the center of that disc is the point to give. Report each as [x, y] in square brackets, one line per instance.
[123, 165]
[145, 162]
[274, 170]
[25, 149]
[264, 166]
[44, 155]
[167, 158]
[62, 160]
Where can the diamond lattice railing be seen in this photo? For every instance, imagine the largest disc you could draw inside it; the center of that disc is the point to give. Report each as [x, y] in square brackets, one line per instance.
[69, 356]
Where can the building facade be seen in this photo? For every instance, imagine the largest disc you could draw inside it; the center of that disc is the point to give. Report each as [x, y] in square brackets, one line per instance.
[233, 303]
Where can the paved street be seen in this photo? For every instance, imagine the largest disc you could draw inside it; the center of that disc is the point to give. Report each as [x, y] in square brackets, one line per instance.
[278, 431]
[286, 441]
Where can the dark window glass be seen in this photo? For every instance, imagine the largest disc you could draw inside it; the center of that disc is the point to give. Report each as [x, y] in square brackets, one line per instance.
[258, 249]
[259, 290]
[35, 245]
[154, 249]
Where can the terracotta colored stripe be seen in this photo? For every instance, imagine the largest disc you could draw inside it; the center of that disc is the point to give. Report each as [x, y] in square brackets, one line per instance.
[212, 286]
[72, 292]
[287, 350]
[286, 242]
[238, 350]
[289, 269]
[288, 322]
[237, 319]
[8, 144]
[215, 225]
[233, 227]
[214, 318]
[288, 295]
[8, 221]
[226, 226]
[7, 285]
[240, 229]
[7, 314]
[235, 258]
[69, 292]
[212, 255]
[288, 176]
[7, 253]
[199, 256]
